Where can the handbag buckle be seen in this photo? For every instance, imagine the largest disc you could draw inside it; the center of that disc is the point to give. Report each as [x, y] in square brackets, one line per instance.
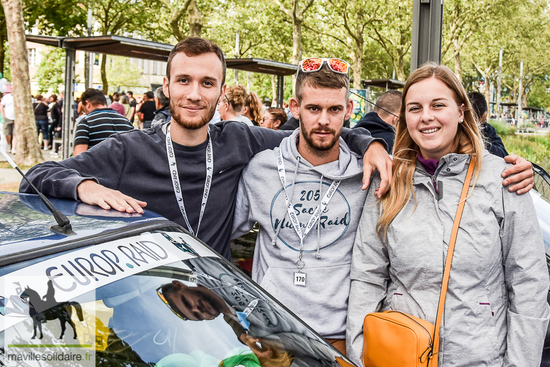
[429, 352]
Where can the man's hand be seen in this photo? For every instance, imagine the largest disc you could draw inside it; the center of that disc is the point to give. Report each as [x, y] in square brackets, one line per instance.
[376, 158]
[520, 174]
[90, 192]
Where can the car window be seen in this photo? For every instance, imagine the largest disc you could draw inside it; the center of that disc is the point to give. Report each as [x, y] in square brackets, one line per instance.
[158, 299]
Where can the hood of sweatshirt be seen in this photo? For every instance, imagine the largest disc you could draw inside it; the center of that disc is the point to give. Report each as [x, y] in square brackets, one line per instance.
[373, 123]
[347, 165]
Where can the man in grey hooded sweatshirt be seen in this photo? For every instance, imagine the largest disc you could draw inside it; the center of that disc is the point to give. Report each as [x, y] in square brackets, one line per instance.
[306, 195]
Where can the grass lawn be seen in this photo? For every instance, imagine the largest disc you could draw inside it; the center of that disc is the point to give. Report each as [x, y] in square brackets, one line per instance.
[533, 148]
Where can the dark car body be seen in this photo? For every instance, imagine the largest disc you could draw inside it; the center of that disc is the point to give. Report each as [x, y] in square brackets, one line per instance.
[134, 290]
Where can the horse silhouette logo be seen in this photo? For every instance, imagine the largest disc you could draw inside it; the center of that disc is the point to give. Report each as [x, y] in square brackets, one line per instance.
[42, 309]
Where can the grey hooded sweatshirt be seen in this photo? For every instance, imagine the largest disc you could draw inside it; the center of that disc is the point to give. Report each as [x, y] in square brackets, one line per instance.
[495, 311]
[322, 303]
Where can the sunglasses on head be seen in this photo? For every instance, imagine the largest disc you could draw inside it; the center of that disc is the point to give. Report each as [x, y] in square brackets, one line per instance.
[316, 63]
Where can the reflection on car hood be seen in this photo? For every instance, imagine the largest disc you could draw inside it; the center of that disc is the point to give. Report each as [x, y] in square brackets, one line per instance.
[25, 221]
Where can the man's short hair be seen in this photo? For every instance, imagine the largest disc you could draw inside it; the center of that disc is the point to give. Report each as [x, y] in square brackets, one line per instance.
[195, 46]
[54, 97]
[94, 96]
[390, 101]
[479, 104]
[130, 93]
[324, 78]
[150, 95]
[159, 94]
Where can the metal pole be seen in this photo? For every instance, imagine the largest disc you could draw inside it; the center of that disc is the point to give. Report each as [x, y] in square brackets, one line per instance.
[520, 91]
[499, 81]
[90, 62]
[68, 103]
[280, 90]
[426, 32]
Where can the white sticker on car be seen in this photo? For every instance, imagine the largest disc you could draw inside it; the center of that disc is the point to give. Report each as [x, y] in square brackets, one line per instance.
[84, 270]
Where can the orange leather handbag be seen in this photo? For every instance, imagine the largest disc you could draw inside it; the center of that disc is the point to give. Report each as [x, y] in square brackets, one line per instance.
[396, 339]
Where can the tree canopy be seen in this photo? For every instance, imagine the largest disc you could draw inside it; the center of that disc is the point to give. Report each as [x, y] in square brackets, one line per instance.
[374, 36]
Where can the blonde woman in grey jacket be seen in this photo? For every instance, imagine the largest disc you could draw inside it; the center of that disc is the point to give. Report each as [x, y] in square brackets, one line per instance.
[496, 312]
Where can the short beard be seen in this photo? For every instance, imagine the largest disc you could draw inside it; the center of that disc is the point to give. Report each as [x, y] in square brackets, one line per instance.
[313, 145]
[174, 109]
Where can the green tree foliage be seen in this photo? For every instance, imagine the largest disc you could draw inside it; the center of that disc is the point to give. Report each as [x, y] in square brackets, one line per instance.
[55, 17]
[374, 36]
[540, 93]
[122, 16]
[51, 70]
[122, 73]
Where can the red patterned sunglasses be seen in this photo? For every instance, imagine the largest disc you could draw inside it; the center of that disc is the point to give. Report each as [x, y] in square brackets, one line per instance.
[316, 63]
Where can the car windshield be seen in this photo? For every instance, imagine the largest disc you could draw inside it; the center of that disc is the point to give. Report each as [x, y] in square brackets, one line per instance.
[157, 299]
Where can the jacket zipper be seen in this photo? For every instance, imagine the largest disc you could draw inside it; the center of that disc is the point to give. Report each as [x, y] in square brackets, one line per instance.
[433, 178]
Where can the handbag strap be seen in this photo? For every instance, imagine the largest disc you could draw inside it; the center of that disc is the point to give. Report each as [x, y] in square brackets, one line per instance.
[450, 253]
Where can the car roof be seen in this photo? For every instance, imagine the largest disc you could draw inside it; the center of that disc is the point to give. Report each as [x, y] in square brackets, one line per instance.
[25, 221]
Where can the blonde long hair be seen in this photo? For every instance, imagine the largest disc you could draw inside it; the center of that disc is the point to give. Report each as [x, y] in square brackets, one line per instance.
[468, 141]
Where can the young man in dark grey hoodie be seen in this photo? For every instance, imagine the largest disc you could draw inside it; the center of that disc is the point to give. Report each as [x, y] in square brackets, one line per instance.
[306, 195]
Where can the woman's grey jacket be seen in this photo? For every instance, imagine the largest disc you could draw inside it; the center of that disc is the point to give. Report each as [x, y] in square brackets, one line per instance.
[496, 312]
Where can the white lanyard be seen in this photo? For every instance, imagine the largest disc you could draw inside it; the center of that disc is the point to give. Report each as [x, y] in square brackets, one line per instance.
[293, 217]
[176, 181]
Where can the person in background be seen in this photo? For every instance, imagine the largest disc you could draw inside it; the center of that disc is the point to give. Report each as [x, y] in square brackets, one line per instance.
[108, 99]
[146, 111]
[125, 102]
[8, 113]
[253, 108]
[100, 122]
[493, 142]
[133, 108]
[382, 121]
[116, 105]
[232, 104]
[55, 114]
[498, 286]
[162, 114]
[291, 124]
[287, 110]
[41, 118]
[273, 118]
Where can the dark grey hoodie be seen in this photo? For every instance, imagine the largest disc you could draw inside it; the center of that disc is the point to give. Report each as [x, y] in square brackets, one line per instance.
[327, 248]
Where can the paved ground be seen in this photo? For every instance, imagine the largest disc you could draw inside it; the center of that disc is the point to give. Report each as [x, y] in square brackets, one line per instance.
[10, 178]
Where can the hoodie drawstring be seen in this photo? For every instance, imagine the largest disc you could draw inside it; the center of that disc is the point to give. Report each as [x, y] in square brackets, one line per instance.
[318, 254]
[274, 242]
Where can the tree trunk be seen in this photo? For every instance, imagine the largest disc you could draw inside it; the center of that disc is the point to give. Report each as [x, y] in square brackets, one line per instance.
[2, 52]
[104, 81]
[195, 19]
[458, 64]
[296, 40]
[357, 59]
[273, 87]
[400, 68]
[488, 95]
[27, 147]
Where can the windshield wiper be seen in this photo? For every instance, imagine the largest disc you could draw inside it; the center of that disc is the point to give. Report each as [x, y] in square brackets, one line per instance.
[63, 224]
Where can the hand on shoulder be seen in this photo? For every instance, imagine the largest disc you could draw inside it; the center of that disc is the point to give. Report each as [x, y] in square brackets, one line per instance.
[519, 176]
